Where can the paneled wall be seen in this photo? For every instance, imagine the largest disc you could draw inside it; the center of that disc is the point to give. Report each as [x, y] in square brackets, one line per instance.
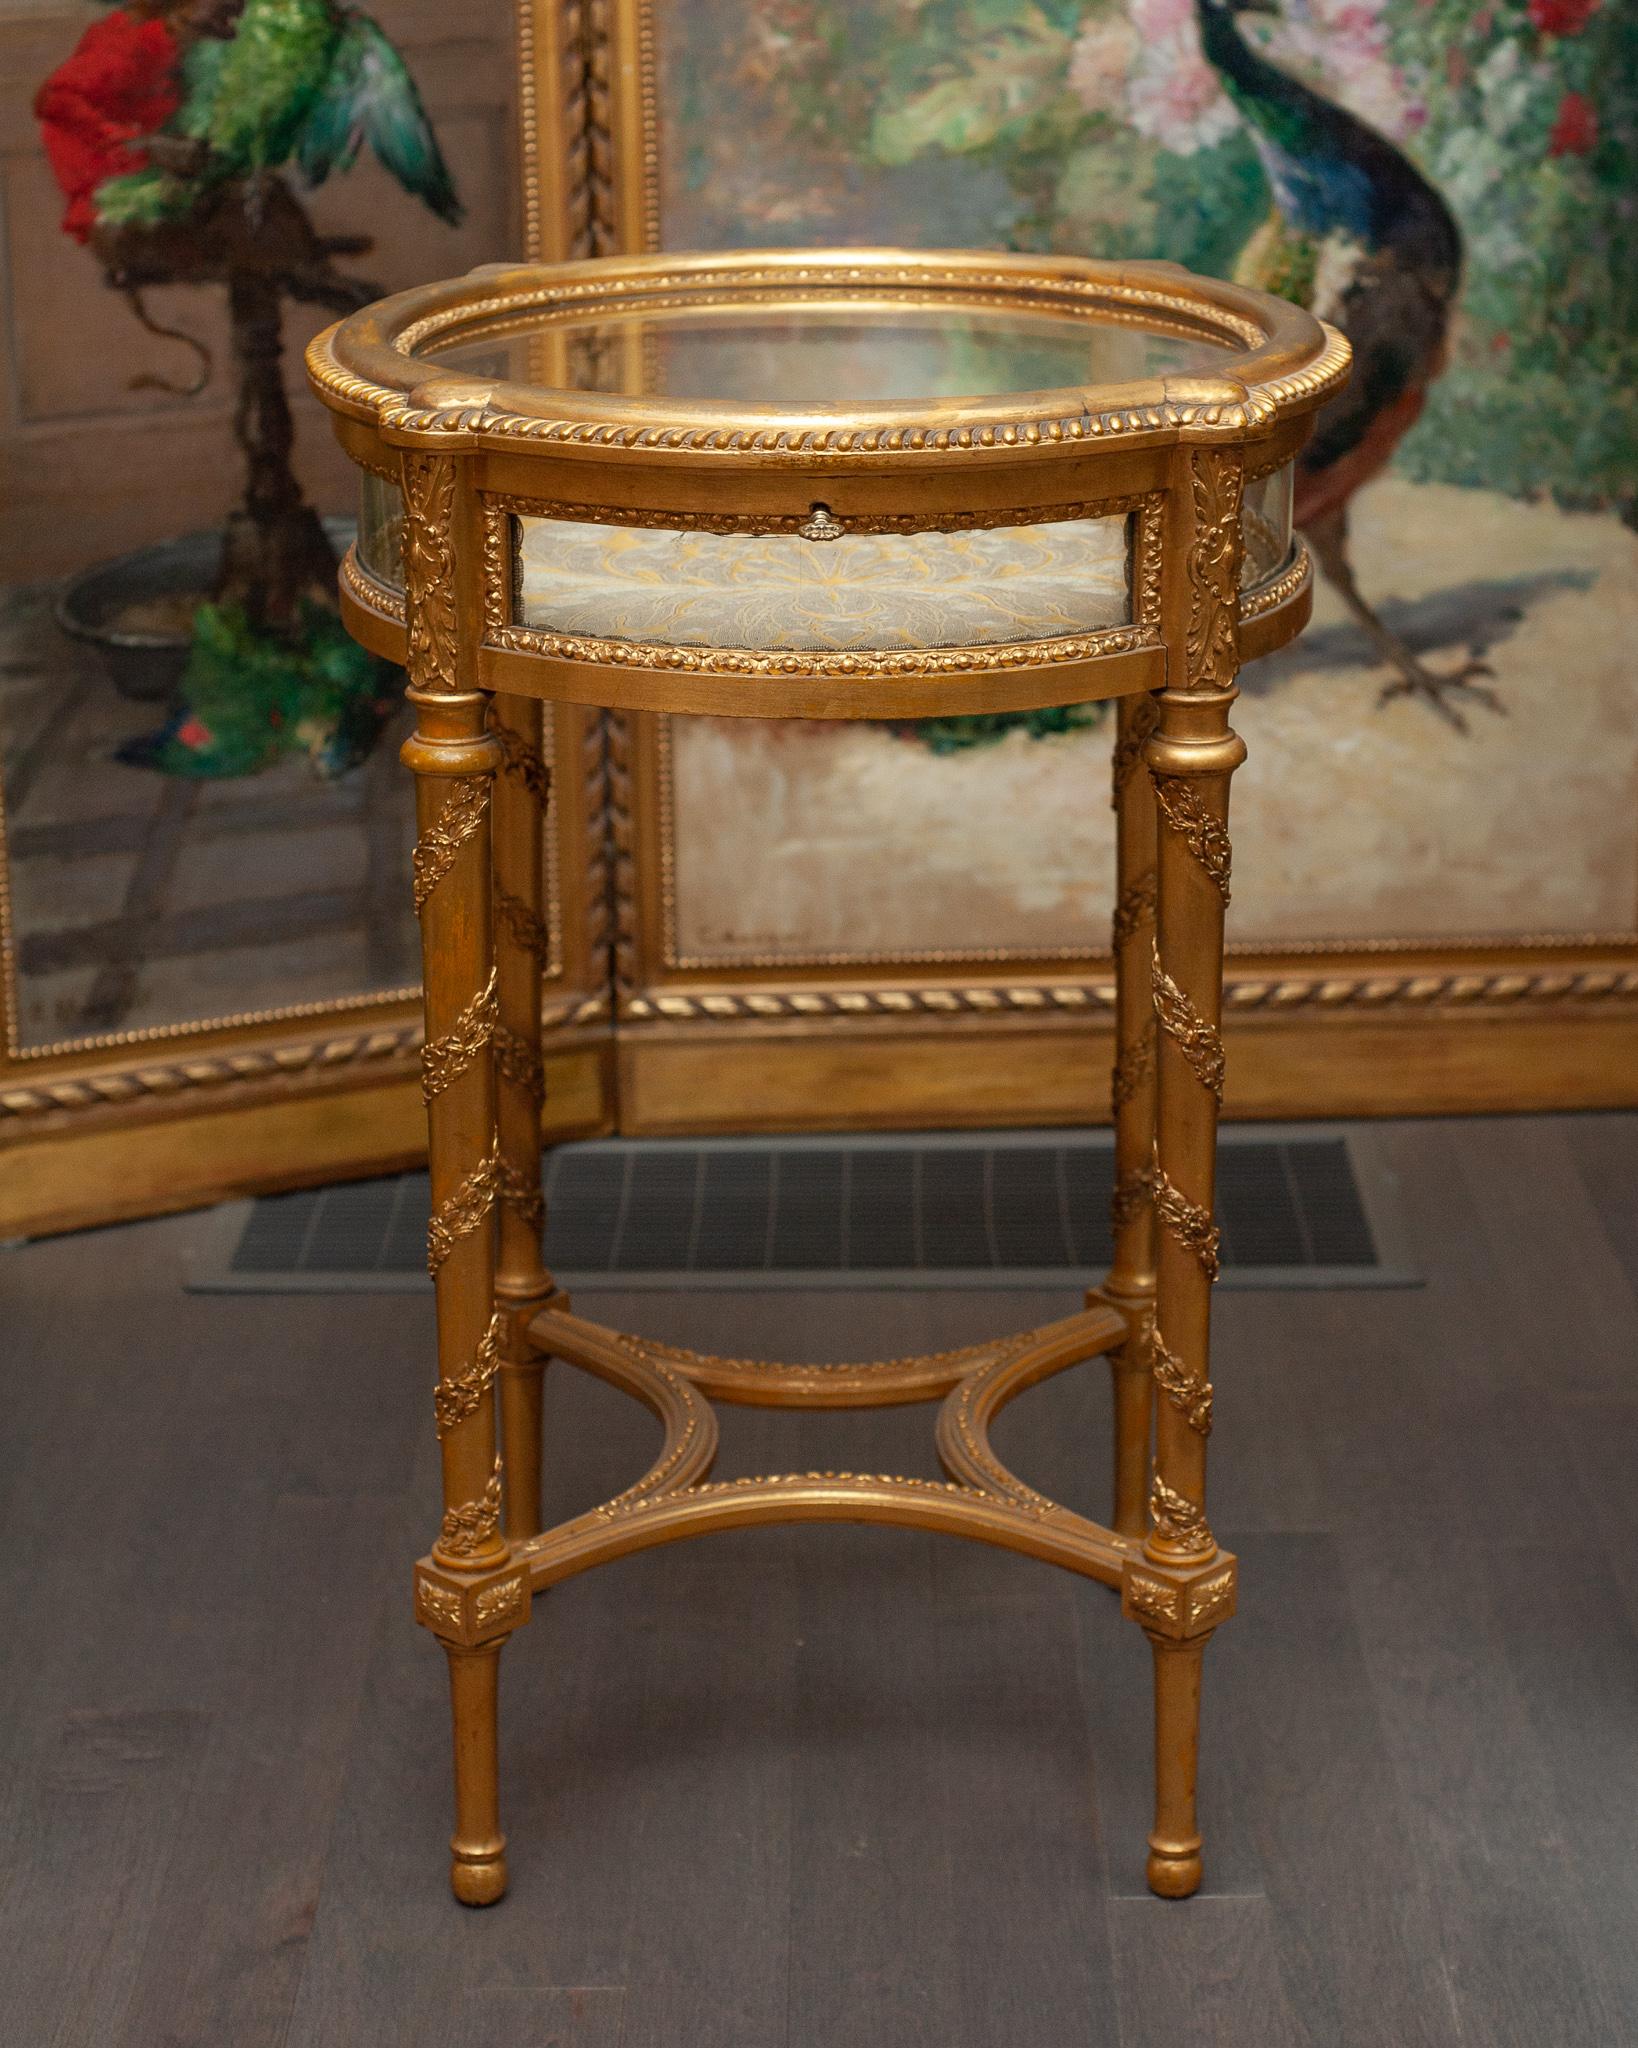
[92, 466]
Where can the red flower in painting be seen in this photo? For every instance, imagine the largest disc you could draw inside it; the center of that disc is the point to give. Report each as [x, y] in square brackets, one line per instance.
[1575, 130]
[1561, 17]
[118, 86]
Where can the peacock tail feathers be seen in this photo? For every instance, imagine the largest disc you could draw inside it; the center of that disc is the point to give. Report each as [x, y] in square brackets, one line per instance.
[369, 96]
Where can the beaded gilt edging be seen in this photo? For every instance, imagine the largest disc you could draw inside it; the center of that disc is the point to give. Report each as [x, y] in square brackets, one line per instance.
[457, 1397]
[865, 664]
[1199, 1042]
[1203, 834]
[463, 813]
[446, 1058]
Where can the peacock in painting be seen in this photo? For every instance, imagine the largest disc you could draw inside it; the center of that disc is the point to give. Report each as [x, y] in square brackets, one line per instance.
[1378, 160]
[1359, 236]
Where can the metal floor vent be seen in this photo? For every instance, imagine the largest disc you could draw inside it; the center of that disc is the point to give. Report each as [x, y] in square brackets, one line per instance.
[990, 1209]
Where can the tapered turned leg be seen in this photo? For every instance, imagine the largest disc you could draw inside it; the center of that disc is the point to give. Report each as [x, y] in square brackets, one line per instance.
[523, 1286]
[1131, 1282]
[1174, 1841]
[1186, 1584]
[469, 1591]
[477, 1871]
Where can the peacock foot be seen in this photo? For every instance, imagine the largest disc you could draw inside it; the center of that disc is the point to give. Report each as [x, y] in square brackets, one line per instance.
[1437, 691]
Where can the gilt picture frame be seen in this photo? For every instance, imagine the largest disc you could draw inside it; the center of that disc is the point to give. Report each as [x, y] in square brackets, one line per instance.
[149, 1061]
[1347, 994]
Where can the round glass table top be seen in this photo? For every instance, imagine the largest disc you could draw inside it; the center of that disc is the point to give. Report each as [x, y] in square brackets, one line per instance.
[764, 354]
[821, 352]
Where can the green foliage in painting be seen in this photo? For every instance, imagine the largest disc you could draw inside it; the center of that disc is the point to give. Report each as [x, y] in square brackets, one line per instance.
[954, 735]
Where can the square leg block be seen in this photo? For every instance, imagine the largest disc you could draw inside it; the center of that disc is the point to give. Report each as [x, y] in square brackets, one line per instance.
[467, 1610]
[1179, 1601]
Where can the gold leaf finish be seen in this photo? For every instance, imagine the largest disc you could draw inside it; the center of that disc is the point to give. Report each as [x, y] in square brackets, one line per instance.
[1211, 652]
[444, 1059]
[1188, 1223]
[1204, 835]
[1165, 454]
[1188, 1394]
[1199, 1042]
[429, 571]
[1178, 1521]
[457, 1397]
[471, 1525]
[465, 811]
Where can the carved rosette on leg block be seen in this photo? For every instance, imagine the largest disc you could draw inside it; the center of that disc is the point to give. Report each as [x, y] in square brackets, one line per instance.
[523, 1286]
[467, 1591]
[1191, 755]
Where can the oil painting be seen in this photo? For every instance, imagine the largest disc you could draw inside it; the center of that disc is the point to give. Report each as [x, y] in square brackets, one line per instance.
[1453, 184]
[205, 824]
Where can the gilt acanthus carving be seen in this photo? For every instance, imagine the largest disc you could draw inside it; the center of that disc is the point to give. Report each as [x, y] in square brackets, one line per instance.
[1134, 1192]
[461, 1213]
[1211, 650]
[1135, 909]
[457, 1396]
[1187, 1223]
[523, 927]
[1188, 1394]
[1200, 1043]
[463, 813]
[1133, 1065]
[1178, 1521]
[1140, 721]
[473, 1524]
[445, 1058]
[1202, 833]
[521, 761]
[429, 571]
[517, 1061]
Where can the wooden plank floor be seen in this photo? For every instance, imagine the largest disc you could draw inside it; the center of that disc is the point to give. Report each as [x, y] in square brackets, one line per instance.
[838, 1788]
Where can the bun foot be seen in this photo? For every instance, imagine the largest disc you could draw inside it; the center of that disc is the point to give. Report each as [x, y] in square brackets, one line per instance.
[1174, 1873]
[478, 1879]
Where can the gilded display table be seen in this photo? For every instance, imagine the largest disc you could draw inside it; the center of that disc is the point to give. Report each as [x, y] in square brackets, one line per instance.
[853, 484]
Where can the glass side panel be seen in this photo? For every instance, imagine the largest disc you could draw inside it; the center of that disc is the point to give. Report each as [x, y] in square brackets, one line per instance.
[381, 530]
[825, 355]
[899, 591]
[1265, 520]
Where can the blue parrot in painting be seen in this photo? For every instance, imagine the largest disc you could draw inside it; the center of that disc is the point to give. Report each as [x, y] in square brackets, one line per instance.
[1361, 238]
